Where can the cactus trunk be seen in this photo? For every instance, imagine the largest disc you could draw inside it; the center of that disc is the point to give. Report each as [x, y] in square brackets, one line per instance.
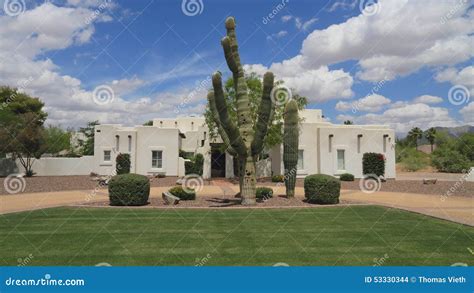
[290, 146]
[241, 141]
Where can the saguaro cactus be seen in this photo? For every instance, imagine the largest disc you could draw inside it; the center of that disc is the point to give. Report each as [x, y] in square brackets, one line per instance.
[290, 146]
[242, 140]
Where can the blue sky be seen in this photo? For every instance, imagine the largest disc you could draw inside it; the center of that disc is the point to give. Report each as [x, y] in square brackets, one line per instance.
[393, 62]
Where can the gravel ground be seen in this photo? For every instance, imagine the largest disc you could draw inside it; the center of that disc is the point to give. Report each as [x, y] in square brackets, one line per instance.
[461, 188]
[223, 202]
[59, 183]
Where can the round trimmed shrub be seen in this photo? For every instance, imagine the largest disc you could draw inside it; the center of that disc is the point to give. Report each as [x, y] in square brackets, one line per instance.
[264, 192]
[346, 177]
[322, 189]
[129, 190]
[278, 178]
[183, 194]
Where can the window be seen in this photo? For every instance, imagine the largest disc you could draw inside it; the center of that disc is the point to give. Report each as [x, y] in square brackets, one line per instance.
[330, 142]
[107, 156]
[117, 143]
[300, 165]
[129, 143]
[341, 164]
[157, 159]
[359, 137]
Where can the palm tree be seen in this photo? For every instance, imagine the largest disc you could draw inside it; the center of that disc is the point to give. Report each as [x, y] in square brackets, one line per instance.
[414, 134]
[430, 135]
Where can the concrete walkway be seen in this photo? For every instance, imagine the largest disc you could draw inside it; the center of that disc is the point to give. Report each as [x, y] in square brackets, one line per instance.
[455, 208]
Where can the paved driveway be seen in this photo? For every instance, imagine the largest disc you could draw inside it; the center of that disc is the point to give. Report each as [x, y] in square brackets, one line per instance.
[455, 208]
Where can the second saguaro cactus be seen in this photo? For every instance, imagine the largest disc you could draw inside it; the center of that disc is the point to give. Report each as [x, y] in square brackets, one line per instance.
[244, 140]
[290, 146]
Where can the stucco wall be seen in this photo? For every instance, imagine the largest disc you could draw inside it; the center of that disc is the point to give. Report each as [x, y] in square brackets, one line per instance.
[53, 166]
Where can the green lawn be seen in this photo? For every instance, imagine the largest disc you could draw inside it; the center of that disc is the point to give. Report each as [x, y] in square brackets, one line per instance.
[357, 235]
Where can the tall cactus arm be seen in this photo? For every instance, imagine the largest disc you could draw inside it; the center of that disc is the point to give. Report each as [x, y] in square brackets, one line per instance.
[264, 114]
[234, 47]
[217, 120]
[235, 138]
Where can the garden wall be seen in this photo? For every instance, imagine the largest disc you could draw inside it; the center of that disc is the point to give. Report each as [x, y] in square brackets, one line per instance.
[51, 166]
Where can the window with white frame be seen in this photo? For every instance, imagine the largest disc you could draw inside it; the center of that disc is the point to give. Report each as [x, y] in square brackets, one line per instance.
[341, 162]
[300, 165]
[107, 156]
[157, 159]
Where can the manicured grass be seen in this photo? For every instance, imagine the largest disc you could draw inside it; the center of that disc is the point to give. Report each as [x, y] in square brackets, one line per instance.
[357, 235]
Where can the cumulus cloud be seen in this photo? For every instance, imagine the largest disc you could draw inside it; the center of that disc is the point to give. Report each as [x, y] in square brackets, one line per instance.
[317, 85]
[468, 113]
[386, 45]
[277, 35]
[427, 99]
[370, 103]
[404, 117]
[463, 77]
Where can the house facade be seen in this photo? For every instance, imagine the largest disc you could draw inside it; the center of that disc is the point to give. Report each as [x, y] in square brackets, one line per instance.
[324, 148]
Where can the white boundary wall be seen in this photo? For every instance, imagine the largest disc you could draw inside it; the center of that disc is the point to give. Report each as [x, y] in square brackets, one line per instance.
[57, 166]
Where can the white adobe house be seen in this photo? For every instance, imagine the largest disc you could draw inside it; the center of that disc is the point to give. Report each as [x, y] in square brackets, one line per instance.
[324, 148]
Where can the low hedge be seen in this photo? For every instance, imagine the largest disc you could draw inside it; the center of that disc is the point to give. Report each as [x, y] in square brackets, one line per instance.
[129, 190]
[264, 192]
[322, 189]
[182, 194]
[346, 177]
[278, 178]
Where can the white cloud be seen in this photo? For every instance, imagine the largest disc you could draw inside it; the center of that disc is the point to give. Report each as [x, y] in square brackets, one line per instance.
[317, 85]
[286, 18]
[387, 44]
[468, 113]
[304, 25]
[427, 99]
[463, 77]
[277, 35]
[370, 103]
[405, 117]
